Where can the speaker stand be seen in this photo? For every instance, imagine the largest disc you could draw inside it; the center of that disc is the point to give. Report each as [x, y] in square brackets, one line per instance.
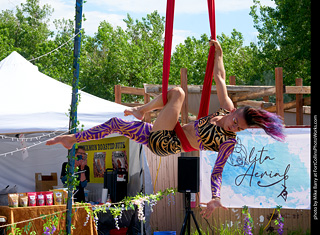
[189, 212]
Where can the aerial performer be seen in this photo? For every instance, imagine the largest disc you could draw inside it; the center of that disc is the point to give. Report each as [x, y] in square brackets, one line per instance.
[216, 132]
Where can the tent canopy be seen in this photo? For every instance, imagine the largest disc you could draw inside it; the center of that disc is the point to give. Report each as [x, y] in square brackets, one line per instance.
[32, 101]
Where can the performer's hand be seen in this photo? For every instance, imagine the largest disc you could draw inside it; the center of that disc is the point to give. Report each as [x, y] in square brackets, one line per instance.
[217, 46]
[211, 206]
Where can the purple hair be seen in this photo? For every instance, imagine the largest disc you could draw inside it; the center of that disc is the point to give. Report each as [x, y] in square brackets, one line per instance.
[271, 123]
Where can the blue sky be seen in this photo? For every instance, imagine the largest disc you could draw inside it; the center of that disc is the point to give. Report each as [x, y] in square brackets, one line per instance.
[191, 17]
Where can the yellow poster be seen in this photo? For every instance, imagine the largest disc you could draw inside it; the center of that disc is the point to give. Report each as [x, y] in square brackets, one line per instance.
[106, 153]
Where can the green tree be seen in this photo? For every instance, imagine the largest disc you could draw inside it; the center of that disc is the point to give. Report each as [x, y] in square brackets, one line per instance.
[131, 57]
[103, 65]
[238, 59]
[58, 65]
[146, 49]
[285, 37]
[27, 30]
[134, 56]
[7, 23]
[193, 55]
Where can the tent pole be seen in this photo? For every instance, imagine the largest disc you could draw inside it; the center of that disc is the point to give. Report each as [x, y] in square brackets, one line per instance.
[74, 104]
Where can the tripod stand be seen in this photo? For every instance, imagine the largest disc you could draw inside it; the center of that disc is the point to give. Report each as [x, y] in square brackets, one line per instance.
[187, 216]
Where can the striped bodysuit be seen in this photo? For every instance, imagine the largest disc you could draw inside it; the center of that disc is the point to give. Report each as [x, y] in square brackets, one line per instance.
[163, 143]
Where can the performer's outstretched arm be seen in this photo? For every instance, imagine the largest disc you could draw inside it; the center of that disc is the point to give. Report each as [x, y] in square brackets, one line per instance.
[220, 78]
[216, 177]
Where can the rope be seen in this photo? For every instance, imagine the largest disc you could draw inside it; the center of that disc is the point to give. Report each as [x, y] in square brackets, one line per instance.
[270, 218]
[28, 220]
[35, 144]
[155, 181]
[57, 47]
[30, 138]
[205, 95]
[41, 217]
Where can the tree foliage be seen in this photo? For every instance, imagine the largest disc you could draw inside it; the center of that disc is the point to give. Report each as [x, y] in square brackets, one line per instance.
[128, 57]
[26, 31]
[284, 38]
[134, 55]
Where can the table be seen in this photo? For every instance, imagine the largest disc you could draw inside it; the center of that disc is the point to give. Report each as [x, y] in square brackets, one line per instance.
[107, 222]
[56, 212]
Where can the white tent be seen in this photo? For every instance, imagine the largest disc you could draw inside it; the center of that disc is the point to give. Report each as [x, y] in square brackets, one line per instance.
[33, 103]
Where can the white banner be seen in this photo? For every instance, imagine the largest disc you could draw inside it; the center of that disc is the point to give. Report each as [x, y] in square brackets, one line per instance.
[262, 172]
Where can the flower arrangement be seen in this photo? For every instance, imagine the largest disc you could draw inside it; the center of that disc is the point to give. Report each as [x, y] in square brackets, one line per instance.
[47, 231]
[51, 222]
[139, 201]
[279, 221]
[50, 226]
[248, 221]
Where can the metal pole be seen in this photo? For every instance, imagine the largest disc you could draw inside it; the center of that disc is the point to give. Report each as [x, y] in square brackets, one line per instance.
[74, 104]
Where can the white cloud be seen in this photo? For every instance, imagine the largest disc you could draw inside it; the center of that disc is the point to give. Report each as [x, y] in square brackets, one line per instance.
[66, 9]
[300, 198]
[62, 8]
[179, 36]
[136, 6]
[299, 144]
[231, 199]
[93, 19]
[115, 11]
[181, 6]
[9, 4]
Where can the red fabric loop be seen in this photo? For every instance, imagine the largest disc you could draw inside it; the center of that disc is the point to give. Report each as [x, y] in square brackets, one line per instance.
[206, 91]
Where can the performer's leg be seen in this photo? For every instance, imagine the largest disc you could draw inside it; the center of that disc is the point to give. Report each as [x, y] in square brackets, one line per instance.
[169, 115]
[162, 140]
[157, 103]
[137, 131]
[139, 111]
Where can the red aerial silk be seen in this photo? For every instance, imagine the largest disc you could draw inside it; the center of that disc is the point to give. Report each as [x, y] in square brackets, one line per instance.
[206, 91]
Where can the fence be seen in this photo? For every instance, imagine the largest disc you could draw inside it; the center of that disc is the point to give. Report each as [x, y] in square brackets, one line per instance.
[169, 213]
[240, 95]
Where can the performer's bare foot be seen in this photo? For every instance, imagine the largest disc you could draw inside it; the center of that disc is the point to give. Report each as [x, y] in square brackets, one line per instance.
[66, 140]
[135, 111]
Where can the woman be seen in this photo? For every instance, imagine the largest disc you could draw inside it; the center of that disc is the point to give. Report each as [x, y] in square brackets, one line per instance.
[215, 132]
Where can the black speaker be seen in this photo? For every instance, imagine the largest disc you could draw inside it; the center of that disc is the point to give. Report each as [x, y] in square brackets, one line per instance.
[116, 188]
[188, 174]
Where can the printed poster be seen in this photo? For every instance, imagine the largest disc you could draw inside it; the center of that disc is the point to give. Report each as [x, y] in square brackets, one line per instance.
[262, 172]
[106, 153]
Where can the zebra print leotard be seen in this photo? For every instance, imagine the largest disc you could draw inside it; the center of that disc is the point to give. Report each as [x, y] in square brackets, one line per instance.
[211, 138]
[214, 138]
